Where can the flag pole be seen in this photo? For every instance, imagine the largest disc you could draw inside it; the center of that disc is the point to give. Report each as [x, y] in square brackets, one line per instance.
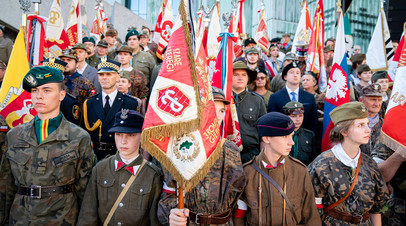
[25, 5]
[181, 203]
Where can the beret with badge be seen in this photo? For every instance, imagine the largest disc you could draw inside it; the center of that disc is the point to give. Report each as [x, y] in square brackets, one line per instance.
[89, 39]
[131, 33]
[218, 95]
[102, 43]
[348, 111]
[373, 90]
[55, 63]
[251, 50]
[41, 75]
[249, 41]
[108, 66]
[293, 108]
[274, 124]
[125, 48]
[126, 75]
[252, 75]
[127, 121]
[287, 68]
[379, 75]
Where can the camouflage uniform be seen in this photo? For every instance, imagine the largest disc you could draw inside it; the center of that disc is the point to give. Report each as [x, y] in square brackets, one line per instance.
[139, 205]
[217, 193]
[373, 138]
[332, 180]
[82, 88]
[395, 214]
[144, 62]
[65, 157]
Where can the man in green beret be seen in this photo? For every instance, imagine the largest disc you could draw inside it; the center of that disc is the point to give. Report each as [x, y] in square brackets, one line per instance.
[364, 74]
[304, 147]
[47, 161]
[92, 58]
[142, 61]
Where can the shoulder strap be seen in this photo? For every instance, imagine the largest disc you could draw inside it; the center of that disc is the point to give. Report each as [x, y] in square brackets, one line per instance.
[266, 176]
[351, 188]
[122, 194]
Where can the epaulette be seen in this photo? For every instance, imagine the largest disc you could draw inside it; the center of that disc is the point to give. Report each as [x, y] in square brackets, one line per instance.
[154, 167]
[309, 131]
[131, 97]
[248, 163]
[71, 96]
[297, 161]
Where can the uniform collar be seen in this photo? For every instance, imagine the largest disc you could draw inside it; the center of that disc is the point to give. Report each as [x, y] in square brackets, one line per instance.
[264, 161]
[132, 167]
[340, 154]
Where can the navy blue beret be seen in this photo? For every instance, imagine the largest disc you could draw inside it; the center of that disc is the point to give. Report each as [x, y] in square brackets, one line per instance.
[127, 121]
[274, 124]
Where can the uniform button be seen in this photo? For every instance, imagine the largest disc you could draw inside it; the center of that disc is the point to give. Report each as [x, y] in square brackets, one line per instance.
[105, 182]
[110, 135]
[122, 185]
[121, 122]
[141, 190]
[119, 223]
[121, 204]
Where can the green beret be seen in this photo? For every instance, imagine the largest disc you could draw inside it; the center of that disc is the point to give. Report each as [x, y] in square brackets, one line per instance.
[79, 46]
[41, 75]
[373, 90]
[363, 68]
[293, 108]
[379, 75]
[251, 50]
[126, 75]
[348, 111]
[131, 33]
[89, 39]
[328, 49]
[102, 43]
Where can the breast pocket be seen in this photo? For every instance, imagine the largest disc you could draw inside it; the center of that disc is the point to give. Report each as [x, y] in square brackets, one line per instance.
[19, 162]
[105, 190]
[250, 118]
[140, 196]
[253, 206]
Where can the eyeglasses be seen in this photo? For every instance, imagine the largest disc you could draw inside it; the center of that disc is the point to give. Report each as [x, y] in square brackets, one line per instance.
[261, 78]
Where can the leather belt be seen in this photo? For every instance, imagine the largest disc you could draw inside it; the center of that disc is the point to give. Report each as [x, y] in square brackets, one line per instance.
[199, 218]
[104, 146]
[37, 191]
[354, 219]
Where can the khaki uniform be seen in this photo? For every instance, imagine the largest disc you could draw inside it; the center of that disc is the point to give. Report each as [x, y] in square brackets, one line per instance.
[299, 190]
[65, 157]
[93, 60]
[144, 62]
[139, 205]
[6, 45]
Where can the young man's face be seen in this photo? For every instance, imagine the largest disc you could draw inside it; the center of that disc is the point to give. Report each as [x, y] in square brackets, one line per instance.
[384, 82]
[252, 58]
[240, 79]
[143, 40]
[81, 54]
[280, 145]
[108, 80]
[297, 119]
[128, 144]
[285, 39]
[47, 98]
[110, 40]
[124, 57]
[133, 42]
[293, 76]
[123, 85]
[220, 111]
[90, 47]
[70, 68]
[365, 76]
[101, 51]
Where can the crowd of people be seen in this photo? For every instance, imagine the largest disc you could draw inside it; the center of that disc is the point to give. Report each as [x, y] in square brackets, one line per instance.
[79, 161]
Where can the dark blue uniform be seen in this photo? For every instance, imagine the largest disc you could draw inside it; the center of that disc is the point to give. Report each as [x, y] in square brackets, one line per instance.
[70, 109]
[105, 145]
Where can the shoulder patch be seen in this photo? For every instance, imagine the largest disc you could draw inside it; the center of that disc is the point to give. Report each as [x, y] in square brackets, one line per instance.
[297, 161]
[131, 97]
[71, 96]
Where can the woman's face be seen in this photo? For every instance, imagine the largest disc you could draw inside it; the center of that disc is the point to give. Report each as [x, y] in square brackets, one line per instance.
[261, 80]
[308, 82]
[359, 132]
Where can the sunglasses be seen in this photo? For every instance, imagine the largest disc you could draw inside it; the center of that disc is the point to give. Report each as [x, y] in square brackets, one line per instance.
[261, 78]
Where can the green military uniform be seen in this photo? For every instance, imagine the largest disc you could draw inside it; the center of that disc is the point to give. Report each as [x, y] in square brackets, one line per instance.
[6, 45]
[93, 60]
[395, 213]
[144, 62]
[217, 192]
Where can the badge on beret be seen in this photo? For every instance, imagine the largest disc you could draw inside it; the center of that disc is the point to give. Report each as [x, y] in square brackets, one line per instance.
[295, 105]
[290, 124]
[124, 114]
[31, 80]
[363, 109]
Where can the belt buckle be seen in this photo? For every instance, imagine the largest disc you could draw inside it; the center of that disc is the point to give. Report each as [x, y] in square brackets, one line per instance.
[197, 218]
[32, 191]
[102, 146]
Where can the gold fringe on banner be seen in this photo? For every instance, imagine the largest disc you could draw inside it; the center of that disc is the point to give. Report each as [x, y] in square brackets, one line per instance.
[393, 144]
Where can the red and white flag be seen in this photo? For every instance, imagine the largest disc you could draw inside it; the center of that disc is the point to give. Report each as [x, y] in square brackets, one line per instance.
[99, 26]
[157, 30]
[304, 29]
[56, 38]
[166, 29]
[73, 21]
[394, 64]
[237, 46]
[261, 36]
[241, 19]
[315, 59]
[35, 39]
[213, 44]
[394, 127]
[180, 128]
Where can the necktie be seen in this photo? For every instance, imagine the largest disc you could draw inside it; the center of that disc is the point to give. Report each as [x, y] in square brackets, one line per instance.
[277, 65]
[293, 96]
[107, 105]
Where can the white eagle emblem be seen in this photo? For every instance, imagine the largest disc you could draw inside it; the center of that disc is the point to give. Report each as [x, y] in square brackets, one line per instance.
[31, 80]
[337, 85]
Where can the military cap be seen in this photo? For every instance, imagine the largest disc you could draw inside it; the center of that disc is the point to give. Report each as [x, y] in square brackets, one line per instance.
[102, 43]
[252, 75]
[373, 90]
[379, 75]
[79, 46]
[348, 111]
[286, 34]
[69, 53]
[125, 48]
[144, 33]
[248, 41]
[290, 56]
[293, 108]
[252, 50]
[218, 95]
[108, 66]
[328, 49]
[127, 121]
[2, 65]
[131, 33]
[261, 69]
[38, 76]
[359, 57]
[287, 68]
[278, 40]
[55, 63]
[363, 68]
[126, 75]
[275, 124]
[89, 39]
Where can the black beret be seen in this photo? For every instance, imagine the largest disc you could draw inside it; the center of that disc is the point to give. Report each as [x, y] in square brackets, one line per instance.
[287, 68]
[127, 121]
[274, 124]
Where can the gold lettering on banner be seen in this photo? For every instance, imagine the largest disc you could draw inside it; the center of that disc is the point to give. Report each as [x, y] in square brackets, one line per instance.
[172, 59]
[398, 98]
[54, 17]
[211, 133]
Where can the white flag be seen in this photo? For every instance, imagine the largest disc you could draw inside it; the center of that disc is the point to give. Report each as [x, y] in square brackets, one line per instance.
[55, 24]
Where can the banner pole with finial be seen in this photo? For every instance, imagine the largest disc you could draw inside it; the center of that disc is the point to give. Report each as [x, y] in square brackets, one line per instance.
[25, 5]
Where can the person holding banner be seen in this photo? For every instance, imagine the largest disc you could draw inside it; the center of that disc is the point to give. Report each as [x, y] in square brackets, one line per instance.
[46, 162]
[349, 188]
[212, 201]
[124, 189]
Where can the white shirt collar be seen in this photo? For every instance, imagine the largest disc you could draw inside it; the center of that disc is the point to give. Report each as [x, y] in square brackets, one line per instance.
[128, 161]
[280, 163]
[340, 154]
[295, 91]
[112, 97]
[82, 70]
[127, 69]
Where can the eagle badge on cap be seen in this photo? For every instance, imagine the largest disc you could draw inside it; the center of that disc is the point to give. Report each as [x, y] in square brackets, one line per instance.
[363, 109]
[124, 114]
[295, 105]
[289, 125]
[31, 80]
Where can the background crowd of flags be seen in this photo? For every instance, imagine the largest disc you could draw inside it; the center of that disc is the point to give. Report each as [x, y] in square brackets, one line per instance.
[213, 52]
